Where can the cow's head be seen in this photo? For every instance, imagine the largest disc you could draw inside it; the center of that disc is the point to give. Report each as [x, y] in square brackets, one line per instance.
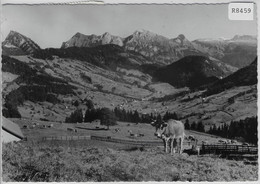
[159, 128]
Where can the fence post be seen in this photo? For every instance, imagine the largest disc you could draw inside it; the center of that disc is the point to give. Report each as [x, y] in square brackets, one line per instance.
[198, 148]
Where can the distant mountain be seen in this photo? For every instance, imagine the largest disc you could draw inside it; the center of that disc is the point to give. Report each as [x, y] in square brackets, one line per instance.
[159, 48]
[81, 40]
[244, 77]
[104, 56]
[18, 44]
[238, 51]
[192, 71]
[245, 38]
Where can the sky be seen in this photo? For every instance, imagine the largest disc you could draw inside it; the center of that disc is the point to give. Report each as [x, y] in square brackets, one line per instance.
[50, 25]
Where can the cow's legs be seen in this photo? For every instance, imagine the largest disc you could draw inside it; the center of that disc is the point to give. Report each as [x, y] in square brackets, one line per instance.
[165, 144]
[171, 147]
[174, 145]
[181, 144]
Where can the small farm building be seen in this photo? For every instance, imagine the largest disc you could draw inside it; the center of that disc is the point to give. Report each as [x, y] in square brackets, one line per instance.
[10, 131]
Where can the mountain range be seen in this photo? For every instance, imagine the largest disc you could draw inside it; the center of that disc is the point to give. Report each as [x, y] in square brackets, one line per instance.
[237, 52]
[118, 72]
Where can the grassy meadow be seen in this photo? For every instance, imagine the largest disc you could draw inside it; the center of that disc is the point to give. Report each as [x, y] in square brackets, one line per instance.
[67, 161]
[91, 160]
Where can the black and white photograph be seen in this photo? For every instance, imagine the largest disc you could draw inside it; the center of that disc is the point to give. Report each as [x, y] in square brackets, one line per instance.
[129, 92]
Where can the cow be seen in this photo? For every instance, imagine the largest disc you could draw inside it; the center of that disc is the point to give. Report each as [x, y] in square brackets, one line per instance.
[172, 131]
[233, 141]
[204, 142]
[70, 129]
[245, 144]
[191, 138]
[222, 141]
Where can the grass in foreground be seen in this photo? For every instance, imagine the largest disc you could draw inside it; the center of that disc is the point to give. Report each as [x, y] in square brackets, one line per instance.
[53, 163]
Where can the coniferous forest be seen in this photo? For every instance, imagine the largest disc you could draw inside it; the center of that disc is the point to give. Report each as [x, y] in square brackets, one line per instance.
[245, 130]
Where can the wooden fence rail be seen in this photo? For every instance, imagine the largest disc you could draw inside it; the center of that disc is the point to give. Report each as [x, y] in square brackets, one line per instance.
[67, 138]
[228, 149]
[224, 149]
[124, 141]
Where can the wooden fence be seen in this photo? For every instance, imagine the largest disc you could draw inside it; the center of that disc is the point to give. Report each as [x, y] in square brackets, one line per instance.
[65, 138]
[227, 149]
[106, 139]
[223, 149]
[127, 141]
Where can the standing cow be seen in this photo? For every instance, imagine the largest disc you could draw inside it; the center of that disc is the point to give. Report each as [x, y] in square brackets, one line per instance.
[172, 131]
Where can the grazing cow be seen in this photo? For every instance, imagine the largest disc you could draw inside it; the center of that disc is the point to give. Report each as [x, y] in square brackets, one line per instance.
[204, 142]
[245, 144]
[49, 126]
[233, 141]
[133, 135]
[191, 138]
[171, 130]
[222, 141]
[228, 141]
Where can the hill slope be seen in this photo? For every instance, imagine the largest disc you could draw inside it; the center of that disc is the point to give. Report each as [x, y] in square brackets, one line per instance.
[244, 77]
[191, 71]
[105, 56]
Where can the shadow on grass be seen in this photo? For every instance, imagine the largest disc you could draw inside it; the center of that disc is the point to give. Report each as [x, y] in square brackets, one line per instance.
[136, 148]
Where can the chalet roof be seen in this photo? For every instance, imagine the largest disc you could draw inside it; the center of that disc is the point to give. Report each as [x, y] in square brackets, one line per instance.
[11, 128]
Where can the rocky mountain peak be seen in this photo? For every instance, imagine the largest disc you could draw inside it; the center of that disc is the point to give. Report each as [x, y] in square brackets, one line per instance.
[14, 38]
[181, 37]
[78, 34]
[81, 40]
[18, 44]
[106, 34]
[144, 33]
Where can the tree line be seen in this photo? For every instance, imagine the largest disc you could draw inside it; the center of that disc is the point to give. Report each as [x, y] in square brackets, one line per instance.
[199, 126]
[117, 114]
[106, 116]
[243, 129]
